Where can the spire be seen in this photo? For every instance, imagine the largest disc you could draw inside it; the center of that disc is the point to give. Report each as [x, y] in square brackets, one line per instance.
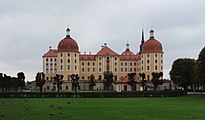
[142, 41]
[151, 34]
[68, 32]
[127, 46]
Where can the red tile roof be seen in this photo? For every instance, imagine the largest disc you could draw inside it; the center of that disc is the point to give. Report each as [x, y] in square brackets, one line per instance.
[86, 57]
[130, 57]
[124, 80]
[106, 51]
[51, 53]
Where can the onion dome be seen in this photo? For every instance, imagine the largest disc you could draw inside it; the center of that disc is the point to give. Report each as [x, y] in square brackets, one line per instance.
[68, 44]
[152, 45]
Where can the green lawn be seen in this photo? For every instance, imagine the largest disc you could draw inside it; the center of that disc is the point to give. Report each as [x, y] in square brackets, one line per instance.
[173, 108]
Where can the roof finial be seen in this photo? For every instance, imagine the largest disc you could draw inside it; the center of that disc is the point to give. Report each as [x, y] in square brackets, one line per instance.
[49, 47]
[151, 33]
[127, 46]
[68, 32]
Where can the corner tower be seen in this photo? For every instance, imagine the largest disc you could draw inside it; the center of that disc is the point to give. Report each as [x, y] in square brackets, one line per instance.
[68, 56]
[151, 56]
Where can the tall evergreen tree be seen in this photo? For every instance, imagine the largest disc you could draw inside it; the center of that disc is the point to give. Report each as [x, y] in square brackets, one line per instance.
[21, 78]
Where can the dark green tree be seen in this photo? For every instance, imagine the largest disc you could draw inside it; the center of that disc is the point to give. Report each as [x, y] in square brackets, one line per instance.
[1, 82]
[143, 82]
[21, 78]
[200, 69]
[108, 80]
[75, 82]
[182, 72]
[92, 82]
[40, 80]
[156, 79]
[131, 81]
[58, 80]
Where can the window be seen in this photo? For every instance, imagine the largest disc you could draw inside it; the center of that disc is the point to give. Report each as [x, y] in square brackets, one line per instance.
[55, 59]
[61, 60]
[125, 63]
[115, 63]
[68, 67]
[68, 54]
[121, 63]
[83, 69]
[51, 70]
[147, 55]
[75, 54]
[125, 69]
[47, 87]
[115, 69]
[68, 60]
[148, 77]
[135, 69]
[161, 61]
[100, 69]
[82, 63]
[100, 63]
[46, 64]
[115, 58]
[142, 61]
[142, 56]
[93, 69]
[66, 87]
[88, 69]
[88, 77]
[61, 67]
[130, 64]
[100, 77]
[75, 67]
[130, 69]
[121, 69]
[155, 61]
[115, 77]
[142, 68]
[155, 67]
[75, 61]
[155, 55]
[93, 63]
[99, 58]
[61, 54]
[55, 64]
[147, 61]
[88, 63]
[47, 59]
[135, 64]
[147, 67]
[51, 59]
[82, 77]
[47, 70]
[68, 77]
[161, 67]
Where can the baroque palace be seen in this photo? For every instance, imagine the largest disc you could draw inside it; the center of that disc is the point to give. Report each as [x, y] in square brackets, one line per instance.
[68, 60]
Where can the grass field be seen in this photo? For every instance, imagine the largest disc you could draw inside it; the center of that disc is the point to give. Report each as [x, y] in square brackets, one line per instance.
[172, 108]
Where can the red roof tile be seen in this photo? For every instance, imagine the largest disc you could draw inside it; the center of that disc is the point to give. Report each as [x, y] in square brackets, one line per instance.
[124, 80]
[86, 57]
[106, 51]
[51, 53]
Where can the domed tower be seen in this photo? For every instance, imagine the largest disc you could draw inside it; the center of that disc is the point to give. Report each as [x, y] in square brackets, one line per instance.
[151, 56]
[68, 56]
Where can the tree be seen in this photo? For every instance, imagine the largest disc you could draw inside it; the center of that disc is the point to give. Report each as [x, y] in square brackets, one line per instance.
[131, 81]
[200, 68]
[21, 78]
[142, 75]
[75, 83]
[40, 80]
[92, 82]
[155, 79]
[108, 80]
[58, 80]
[182, 72]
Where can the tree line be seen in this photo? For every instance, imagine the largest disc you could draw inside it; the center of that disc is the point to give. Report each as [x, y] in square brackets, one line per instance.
[8, 83]
[189, 72]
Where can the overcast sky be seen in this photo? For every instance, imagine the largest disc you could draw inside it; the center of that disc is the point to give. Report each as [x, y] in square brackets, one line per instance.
[28, 28]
